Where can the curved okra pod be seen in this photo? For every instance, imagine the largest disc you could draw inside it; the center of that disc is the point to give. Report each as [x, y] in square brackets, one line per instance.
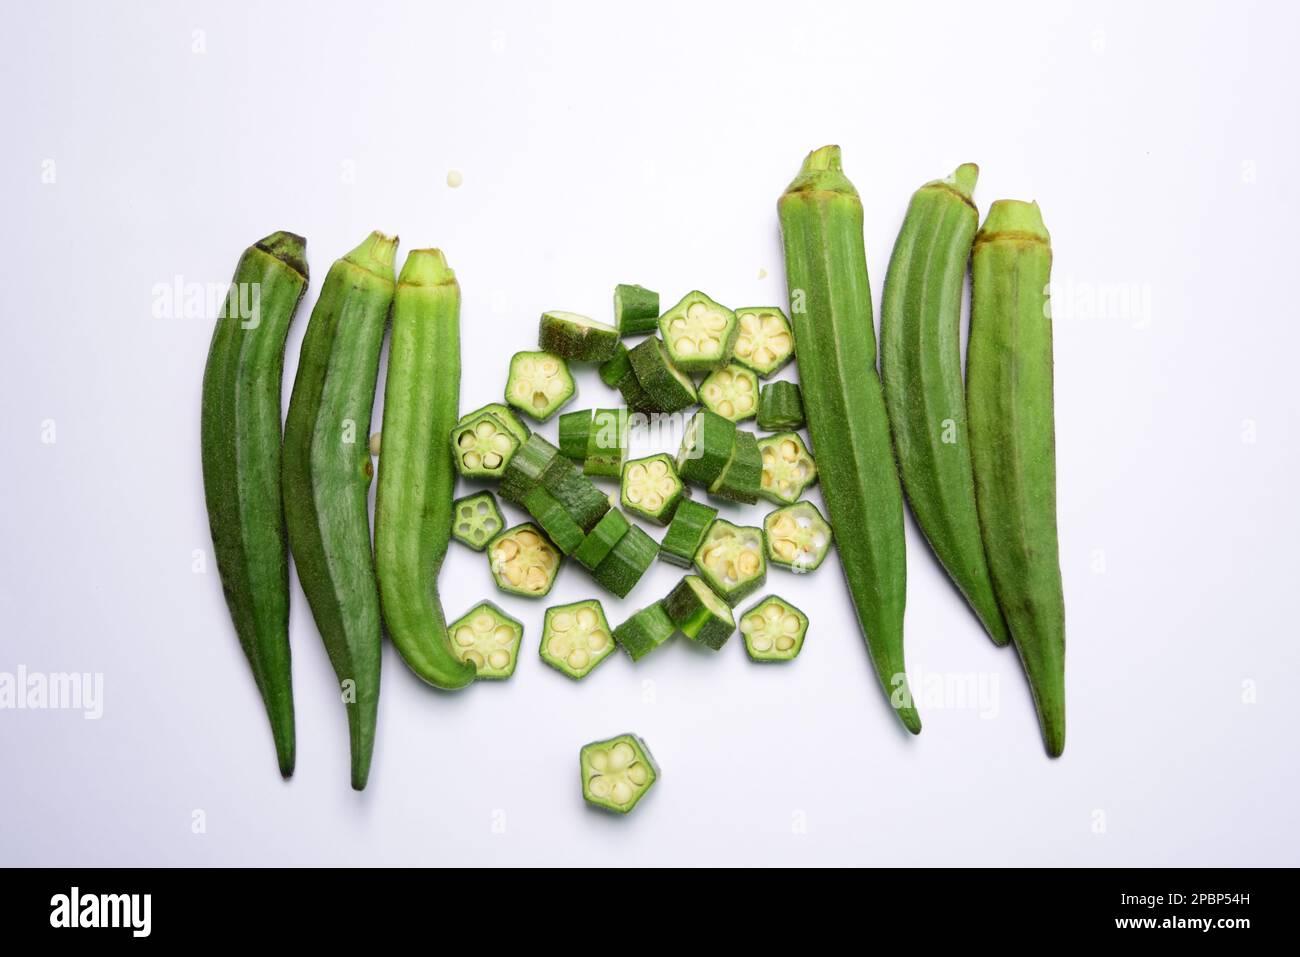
[835, 348]
[413, 514]
[1013, 444]
[241, 468]
[920, 365]
[327, 472]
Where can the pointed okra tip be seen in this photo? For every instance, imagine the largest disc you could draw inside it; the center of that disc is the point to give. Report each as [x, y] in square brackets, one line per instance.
[821, 170]
[289, 248]
[426, 267]
[376, 254]
[964, 177]
[1013, 219]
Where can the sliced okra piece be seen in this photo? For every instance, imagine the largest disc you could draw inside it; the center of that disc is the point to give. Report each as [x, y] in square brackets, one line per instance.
[636, 398]
[699, 333]
[706, 448]
[698, 613]
[731, 391]
[626, 562]
[773, 630]
[506, 415]
[606, 443]
[636, 309]
[523, 561]
[780, 406]
[488, 637]
[765, 342]
[798, 537]
[585, 503]
[576, 338]
[612, 370]
[574, 430]
[576, 638]
[668, 388]
[788, 468]
[550, 514]
[645, 631]
[600, 541]
[651, 488]
[482, 446]
[742, 479]
[528, 467]
[617, 773]
[539, 384]
[686, 533]
[475, 519]
[731, 560]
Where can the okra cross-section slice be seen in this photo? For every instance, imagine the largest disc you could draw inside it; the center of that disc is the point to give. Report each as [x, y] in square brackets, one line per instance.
[698, 613]
[505, 415]
[699, 333]
[488, 637]
[576, 638]
[798, 537]
[539, 383]
[764, 341]
[773, 630]
[600, 541]
[482, 446]
[731, 391]
[665, 387]
[686, 532]
[617, 773]
[788, 468]
[652, 488]
[780, 406]
[577, 338]
[731, 560]
[645, 631]
[475, 519]
[523, 561]
[706, 447]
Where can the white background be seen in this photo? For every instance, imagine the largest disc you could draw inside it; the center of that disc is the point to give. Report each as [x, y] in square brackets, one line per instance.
[603, 145]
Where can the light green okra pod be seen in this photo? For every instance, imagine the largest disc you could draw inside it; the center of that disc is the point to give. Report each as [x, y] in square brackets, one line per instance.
[1013, 444]
[327, 473]
[416, 478]
[835, 348]
[920, 365]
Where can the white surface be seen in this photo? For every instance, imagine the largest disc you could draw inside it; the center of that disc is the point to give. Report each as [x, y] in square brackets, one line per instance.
[601, 147]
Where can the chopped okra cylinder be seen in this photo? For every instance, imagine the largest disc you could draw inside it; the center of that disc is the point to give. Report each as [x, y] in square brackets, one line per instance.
[666, 388]
[539, 383]
[575, 427]
[585, 503]
[765, 342]
[488, 637]
[742, 479]
[606, 443]
[626, 562]
[685, 534]
[706, 447]
[731, 391]
[773, 630]
[645, 631]
[698, 333]
[798, 537]
[612, 370]
[698, 613]
[475, 519]
[651, 488]
[482, 446]
[506, 416]
[617, 773]
[731, 560]
[523, 561]
[780, 406]
[788, 468]
[636, 309]
[554, 520]
[576, 638]
[577, 338]
[529, 467]
[600, 541]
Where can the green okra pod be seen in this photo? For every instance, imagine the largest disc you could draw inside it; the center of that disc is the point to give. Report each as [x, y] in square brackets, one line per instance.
[1013, 444]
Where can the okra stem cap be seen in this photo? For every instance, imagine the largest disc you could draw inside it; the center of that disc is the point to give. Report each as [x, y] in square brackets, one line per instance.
[1016, 217]
[375, 254]
[289, 248]
[821, 171]
[426, 267]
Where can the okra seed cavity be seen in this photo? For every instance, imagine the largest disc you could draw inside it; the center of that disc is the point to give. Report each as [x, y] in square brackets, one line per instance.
[731, 560]
[476, 519]
[576, 638]
[483, 446]
[765, 341]
[798, 537]
[773, 630]
[523, 561]
[538, 384]
[616, 773]
[732, 392]
[649, 485]
[489, 638]
[788, 468]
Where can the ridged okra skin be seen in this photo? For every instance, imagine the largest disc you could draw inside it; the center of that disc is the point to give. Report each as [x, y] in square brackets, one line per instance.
[1013, 443]
[327, 473]
[240, 437]
[920, 366]
[416, 480]
[835, 348]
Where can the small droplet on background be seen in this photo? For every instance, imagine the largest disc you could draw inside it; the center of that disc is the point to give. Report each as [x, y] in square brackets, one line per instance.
[454, 178]
[762, 273]
[374, 443]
